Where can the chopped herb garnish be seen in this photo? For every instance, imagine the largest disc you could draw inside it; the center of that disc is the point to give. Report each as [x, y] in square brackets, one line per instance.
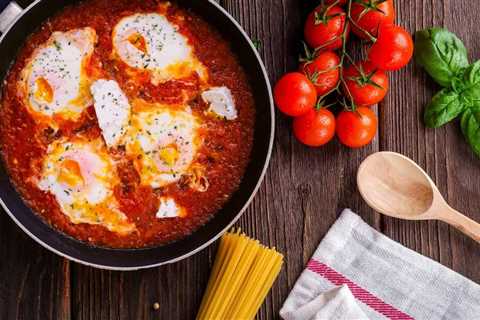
[57, 45]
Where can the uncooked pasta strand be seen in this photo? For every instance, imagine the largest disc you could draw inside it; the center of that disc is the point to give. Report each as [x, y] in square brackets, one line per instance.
[242, 274]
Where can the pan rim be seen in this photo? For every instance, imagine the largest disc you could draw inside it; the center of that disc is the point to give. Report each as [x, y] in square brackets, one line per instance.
[229, 225]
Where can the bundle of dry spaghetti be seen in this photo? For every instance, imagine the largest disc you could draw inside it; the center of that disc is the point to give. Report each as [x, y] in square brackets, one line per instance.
[242, 275]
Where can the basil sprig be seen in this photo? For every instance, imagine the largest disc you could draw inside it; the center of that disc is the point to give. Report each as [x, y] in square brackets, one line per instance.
[443, 55]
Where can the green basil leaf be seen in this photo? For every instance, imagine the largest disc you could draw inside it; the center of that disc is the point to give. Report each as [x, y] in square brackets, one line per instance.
[470, 86]
[441, 53]
[470, 124]
[445, 106]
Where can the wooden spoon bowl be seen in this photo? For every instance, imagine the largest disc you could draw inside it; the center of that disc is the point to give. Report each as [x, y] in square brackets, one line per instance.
[396, 186]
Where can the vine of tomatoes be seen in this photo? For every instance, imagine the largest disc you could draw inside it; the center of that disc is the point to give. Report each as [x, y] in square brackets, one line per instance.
[329, 73]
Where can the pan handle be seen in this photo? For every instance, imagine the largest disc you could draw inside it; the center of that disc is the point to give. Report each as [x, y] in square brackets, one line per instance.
[8, 16]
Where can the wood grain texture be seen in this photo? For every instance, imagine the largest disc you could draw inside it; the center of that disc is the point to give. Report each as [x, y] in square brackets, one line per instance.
[302, 195]
[34, 283]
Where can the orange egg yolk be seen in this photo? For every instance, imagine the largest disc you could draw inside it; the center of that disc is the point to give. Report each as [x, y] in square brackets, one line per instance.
[70, 173]
[138, 41]
[44, 91]
[169, 155]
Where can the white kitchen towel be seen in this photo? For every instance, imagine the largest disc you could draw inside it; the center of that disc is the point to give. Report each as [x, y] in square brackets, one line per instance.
[337, 303]
[387, 280]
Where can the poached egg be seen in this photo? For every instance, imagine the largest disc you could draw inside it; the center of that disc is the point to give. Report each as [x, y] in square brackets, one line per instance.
[55, 83]
[81, 175]
[150, 42]
[163, 142]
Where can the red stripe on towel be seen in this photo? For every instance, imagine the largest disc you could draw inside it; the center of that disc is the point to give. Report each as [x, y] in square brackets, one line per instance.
[359, 293]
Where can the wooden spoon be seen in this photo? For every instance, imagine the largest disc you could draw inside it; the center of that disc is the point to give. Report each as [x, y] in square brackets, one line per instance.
[396, 186]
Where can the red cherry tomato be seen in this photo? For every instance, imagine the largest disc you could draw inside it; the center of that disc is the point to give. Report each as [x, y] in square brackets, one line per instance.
[393, 48]
[325, 32]
[315, 128]
[366, 83]
[323, 71]
[337, 2]
[357, 128]
[369, 15]
[294, 94]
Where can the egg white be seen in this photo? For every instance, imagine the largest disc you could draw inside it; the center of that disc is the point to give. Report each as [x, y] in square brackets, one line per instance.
[169, 209]
[55, 81]
[112, 109]
[81, 176]
[221, 102]
[149, 41]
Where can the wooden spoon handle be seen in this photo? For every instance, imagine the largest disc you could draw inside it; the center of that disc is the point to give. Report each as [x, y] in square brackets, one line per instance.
[461, 222]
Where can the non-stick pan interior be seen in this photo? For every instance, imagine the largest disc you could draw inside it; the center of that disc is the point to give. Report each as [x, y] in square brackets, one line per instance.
[139, 258]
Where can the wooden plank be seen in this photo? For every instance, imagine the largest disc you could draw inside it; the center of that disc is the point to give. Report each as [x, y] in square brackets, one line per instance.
[34, 283]
[178, 288]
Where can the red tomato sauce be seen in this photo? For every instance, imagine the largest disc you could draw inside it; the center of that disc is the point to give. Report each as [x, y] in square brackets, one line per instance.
[224, 154]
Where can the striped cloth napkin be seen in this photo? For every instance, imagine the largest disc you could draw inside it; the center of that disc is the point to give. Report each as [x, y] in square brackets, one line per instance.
[358, 273]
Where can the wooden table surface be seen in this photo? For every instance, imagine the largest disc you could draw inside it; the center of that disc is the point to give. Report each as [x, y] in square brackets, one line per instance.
[302, 195]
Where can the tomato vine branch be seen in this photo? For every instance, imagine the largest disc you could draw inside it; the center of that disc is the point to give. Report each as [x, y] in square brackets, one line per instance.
[341, 88]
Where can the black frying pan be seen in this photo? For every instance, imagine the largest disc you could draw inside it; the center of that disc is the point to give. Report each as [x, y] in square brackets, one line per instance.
[131, 259]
